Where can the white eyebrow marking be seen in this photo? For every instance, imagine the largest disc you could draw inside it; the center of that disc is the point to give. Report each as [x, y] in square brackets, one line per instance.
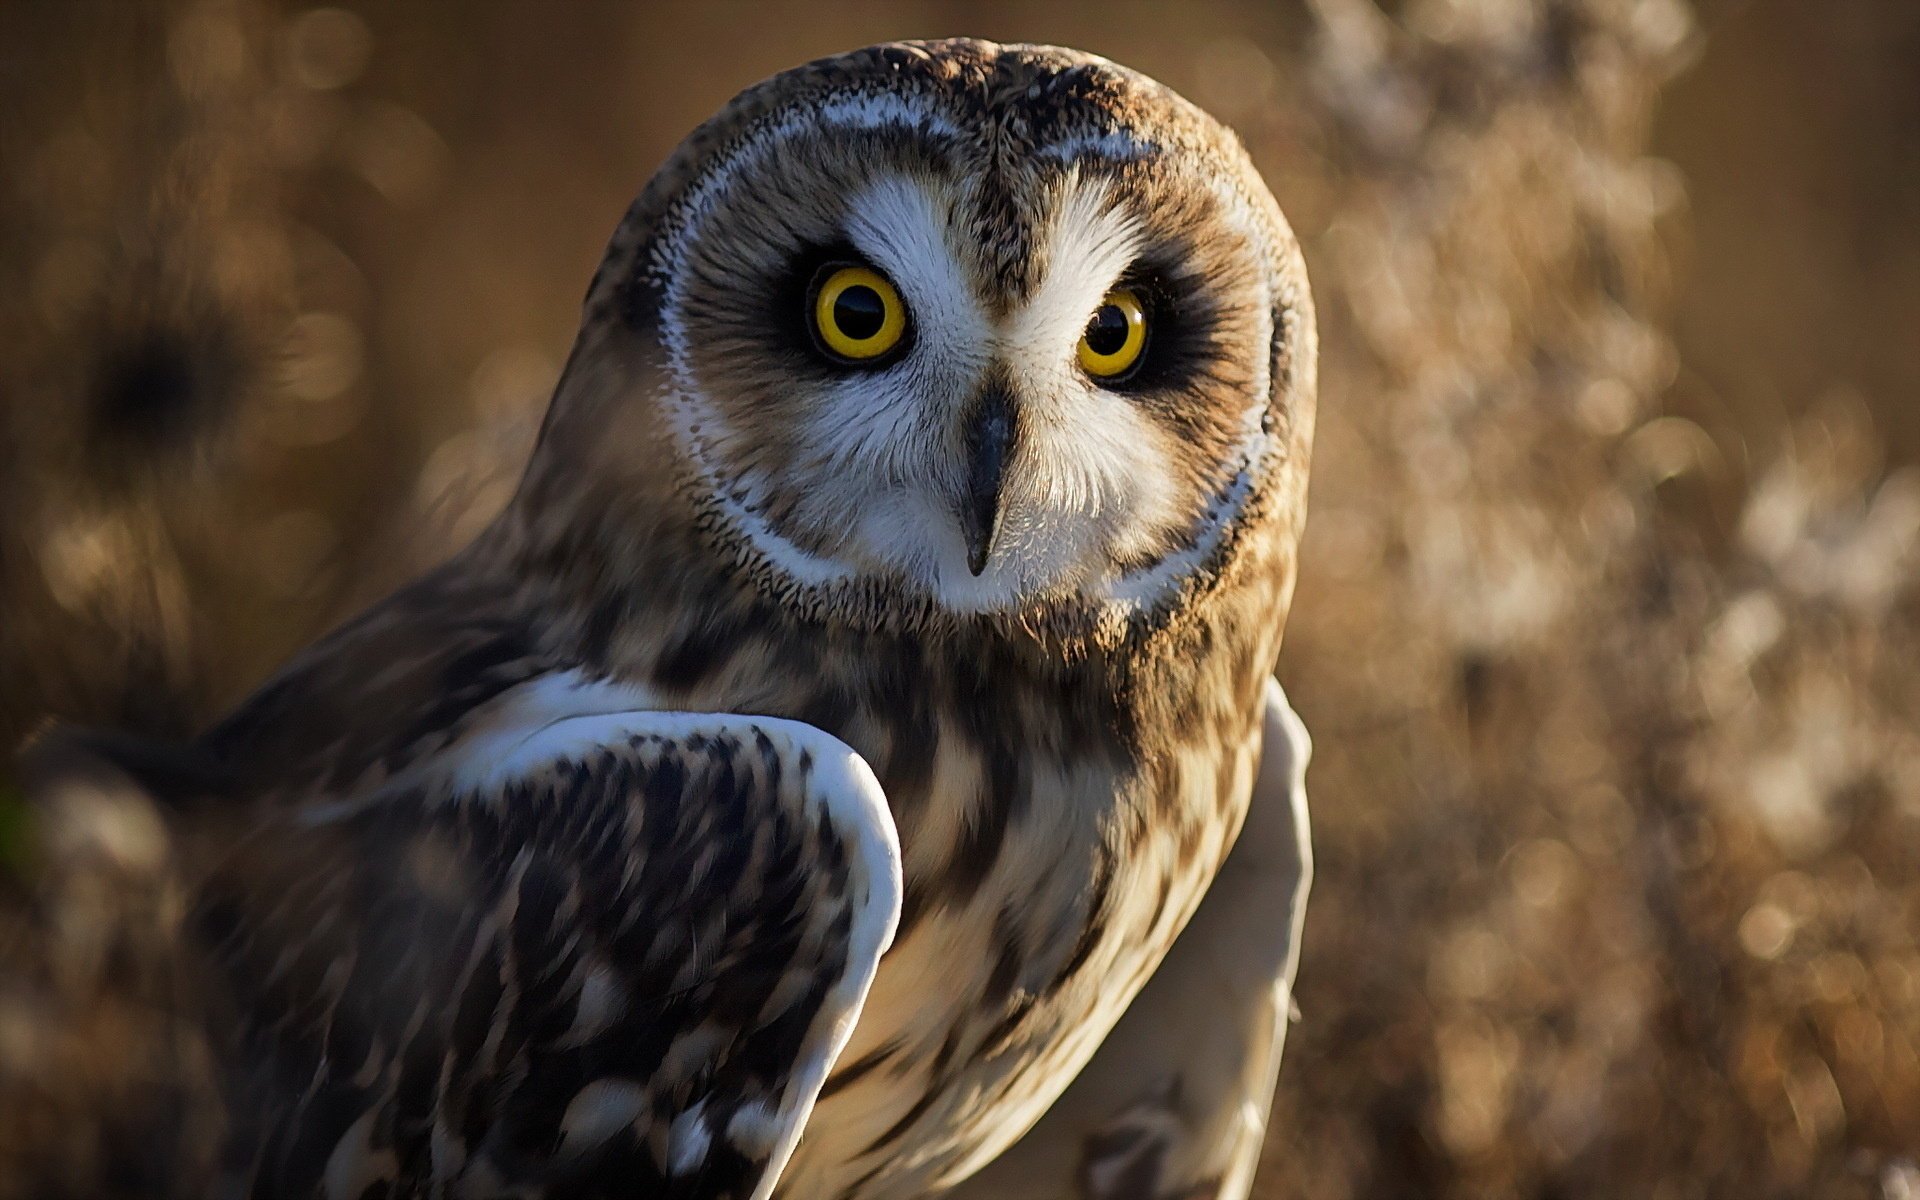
[903, 231]
[876, 110]
[1092, 241]
[1116, 144]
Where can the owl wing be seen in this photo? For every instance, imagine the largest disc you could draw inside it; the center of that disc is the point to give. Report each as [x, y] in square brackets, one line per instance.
[1175, 1102]
[607, 953]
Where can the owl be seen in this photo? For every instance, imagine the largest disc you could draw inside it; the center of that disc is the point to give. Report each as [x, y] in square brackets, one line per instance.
[819, 765]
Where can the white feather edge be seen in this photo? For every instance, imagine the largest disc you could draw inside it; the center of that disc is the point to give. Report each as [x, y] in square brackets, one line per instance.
[565, 715]
[1286, 829]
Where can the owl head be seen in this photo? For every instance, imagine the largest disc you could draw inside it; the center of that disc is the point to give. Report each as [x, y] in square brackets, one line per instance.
[994, 329]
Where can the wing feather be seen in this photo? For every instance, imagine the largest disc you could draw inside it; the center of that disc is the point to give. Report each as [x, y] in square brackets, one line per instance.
[589, 952]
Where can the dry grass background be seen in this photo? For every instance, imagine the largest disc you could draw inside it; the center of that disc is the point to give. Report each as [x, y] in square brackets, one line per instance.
[1608, 619]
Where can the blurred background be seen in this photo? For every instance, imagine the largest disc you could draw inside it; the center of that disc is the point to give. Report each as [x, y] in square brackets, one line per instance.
[1608, 621]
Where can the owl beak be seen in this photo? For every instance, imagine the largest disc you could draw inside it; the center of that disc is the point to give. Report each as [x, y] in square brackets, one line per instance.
[991, 428]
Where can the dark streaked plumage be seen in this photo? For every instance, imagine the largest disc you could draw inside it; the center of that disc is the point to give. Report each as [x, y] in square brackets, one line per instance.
[1175, 1103]
[616, 957]
[437, 825]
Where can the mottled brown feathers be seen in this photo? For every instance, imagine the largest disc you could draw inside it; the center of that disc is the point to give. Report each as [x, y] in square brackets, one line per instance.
[525, 989]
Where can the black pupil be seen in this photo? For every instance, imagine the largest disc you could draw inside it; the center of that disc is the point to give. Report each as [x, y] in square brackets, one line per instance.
[859, 312]
[1107, 332]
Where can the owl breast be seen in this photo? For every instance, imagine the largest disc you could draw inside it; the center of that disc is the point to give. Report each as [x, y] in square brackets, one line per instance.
[985, 1011]
[1057, 836]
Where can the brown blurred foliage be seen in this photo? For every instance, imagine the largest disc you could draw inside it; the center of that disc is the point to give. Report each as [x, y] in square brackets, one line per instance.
[1608, 614]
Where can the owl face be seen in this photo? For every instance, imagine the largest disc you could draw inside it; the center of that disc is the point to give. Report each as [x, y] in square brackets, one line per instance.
[1001, 327]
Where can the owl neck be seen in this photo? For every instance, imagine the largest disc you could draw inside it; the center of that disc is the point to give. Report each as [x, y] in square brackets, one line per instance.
[657, 599]
[631, 586]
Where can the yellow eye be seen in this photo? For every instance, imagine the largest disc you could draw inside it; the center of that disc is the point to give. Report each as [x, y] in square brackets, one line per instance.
[1115, 336]
[857, 314]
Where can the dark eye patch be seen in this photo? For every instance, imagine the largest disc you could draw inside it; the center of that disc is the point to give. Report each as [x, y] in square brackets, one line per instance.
[1183, 322]
[788, 299]
[790, 307]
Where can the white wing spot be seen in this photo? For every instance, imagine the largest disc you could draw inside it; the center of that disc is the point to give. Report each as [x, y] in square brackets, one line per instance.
[354, 1166]
[598, 1111]
[687, 1141]
[755, 1129]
